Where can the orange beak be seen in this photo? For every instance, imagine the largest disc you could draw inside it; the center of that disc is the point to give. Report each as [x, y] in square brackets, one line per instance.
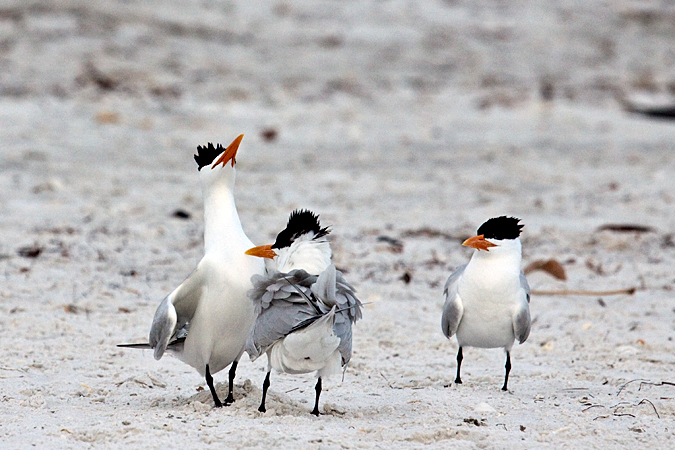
[230, 153]
[262, 251]
[479, 243]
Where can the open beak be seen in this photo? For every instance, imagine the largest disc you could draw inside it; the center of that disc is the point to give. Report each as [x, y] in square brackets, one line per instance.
[262, 251]
[230, 153]
[479, 243]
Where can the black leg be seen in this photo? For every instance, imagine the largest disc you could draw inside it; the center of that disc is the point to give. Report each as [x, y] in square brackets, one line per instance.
[266, 385]
[458, 380]
[209, 382]
[317, 388]
[508, 369]
[230, 392]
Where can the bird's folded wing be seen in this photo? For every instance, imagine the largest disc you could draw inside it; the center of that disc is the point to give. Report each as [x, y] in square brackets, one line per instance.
[343, 329]
[283, 302]
[521, 324]
[525, 285]
[175, 312]
[452, 308]
[293, 287]
[521, 317]
[289, 302]
[325, 286]
[332, 289]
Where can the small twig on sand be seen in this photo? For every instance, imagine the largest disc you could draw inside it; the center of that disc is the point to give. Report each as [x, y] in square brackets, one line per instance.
[622, 405]
[628, 291]
[645, 382]
[385, 379]
[660, 383]
[593, 406]
[629, 382]
[644, 400]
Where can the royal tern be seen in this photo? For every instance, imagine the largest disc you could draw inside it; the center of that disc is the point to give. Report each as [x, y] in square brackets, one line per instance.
[304, 308]
[206, 320]
[487, 300]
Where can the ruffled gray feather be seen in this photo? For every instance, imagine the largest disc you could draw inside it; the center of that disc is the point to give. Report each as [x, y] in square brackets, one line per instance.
[286, 302]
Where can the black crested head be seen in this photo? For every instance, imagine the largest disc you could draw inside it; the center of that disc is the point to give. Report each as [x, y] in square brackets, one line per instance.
[301, 221]
[501, 228]
[205, 155]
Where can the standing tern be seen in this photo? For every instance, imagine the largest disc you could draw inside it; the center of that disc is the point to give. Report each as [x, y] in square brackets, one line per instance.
[205, 321]
[487, 300]
[304, 308]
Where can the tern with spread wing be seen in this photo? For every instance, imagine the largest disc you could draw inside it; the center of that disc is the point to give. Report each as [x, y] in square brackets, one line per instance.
[487, 300]
[304, 308]
[206, 320]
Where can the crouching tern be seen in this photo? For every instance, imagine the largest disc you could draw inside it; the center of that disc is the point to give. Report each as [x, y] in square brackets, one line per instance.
[206, 320]
[304, 308]
[487, 300]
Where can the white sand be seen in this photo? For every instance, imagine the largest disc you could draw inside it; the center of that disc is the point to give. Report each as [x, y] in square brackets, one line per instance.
[411, 120]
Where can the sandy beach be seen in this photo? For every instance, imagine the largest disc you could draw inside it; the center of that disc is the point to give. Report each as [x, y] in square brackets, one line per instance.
[405, 125]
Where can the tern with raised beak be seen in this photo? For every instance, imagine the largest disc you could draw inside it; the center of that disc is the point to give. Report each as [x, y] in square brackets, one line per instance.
[304, 308]
[487, 300]
[206, 320]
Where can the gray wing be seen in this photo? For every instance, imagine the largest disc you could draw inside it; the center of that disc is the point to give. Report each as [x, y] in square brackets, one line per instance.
[524, 284]
[452, 308]
[332, 289]
[285, 303]
[172, 317]
[521, 318]
[282, 303]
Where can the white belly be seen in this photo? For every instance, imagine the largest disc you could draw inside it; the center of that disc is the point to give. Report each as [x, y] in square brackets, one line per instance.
[218, 331]
[477, 329]
[312, 348]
